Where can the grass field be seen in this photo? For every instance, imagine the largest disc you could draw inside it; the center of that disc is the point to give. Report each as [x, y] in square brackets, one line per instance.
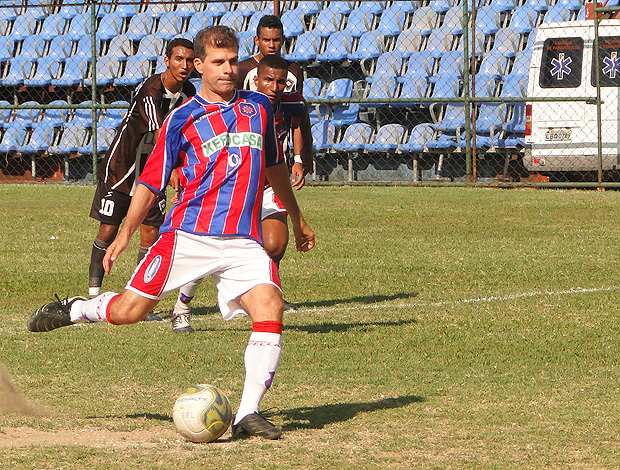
[440, 328]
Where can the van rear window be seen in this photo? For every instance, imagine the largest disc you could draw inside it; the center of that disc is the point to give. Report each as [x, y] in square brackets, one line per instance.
[608, 61]
[561, 63]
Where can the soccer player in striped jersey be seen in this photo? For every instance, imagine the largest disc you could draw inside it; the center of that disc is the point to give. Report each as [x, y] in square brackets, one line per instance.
[291, 117]
[225, 143]
[133, 142]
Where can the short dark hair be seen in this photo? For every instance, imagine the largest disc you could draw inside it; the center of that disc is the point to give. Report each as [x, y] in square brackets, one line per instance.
[176, 42]
[270, 22]
[274, 62]
[220, 37]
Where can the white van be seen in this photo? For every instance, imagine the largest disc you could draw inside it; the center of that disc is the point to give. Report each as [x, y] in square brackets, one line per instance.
[562, 135]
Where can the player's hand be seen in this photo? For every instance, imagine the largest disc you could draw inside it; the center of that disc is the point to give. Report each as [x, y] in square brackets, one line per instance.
[298, 180]
[304, 237]
[114, 250]
[173, 182]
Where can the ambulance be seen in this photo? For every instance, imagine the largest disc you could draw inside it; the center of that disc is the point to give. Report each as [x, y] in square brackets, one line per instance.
[563, 135]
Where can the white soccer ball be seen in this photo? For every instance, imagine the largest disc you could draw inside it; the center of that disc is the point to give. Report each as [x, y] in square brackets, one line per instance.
[202, 413]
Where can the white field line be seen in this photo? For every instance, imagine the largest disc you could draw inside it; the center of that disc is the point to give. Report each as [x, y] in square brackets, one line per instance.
[492, 298]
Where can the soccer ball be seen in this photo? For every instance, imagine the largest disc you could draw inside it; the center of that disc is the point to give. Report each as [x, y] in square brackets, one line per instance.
[202, 413]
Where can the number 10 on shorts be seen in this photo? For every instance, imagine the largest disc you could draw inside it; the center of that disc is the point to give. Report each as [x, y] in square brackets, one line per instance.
[107, 207]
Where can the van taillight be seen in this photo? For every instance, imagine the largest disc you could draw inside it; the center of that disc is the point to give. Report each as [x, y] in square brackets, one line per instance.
[528, 119]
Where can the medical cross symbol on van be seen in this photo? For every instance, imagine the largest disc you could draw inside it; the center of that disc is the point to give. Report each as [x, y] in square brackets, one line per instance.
[612, 64]
[560, 66]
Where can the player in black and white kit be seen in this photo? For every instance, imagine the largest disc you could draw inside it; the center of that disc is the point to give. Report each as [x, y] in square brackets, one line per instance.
[127, 155]
[269, 39]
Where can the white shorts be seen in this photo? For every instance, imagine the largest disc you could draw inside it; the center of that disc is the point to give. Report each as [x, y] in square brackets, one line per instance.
[271, 204]
[235, 264]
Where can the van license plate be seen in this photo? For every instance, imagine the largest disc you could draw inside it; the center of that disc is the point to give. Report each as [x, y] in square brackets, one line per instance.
[558, 134]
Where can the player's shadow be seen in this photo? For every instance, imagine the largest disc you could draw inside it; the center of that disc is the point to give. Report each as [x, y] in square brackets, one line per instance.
[319, 416]
[361, 299]
[149, 416]
[326, 327]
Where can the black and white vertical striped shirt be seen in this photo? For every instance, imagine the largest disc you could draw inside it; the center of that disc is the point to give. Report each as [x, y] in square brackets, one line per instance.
[134, 138]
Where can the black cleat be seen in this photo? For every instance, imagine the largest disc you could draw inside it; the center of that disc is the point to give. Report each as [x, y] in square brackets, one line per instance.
[255, 424]
[152, 317]
[289, 306]
[53, 315]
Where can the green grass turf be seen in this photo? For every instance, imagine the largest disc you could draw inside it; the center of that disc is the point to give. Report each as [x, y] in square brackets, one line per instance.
[439, 328]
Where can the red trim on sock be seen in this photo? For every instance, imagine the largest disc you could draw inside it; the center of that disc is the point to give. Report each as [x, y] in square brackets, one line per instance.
[268, 327]
[107, 309]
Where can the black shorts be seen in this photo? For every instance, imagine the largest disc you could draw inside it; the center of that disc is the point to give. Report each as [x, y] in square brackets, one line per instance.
[110, 207]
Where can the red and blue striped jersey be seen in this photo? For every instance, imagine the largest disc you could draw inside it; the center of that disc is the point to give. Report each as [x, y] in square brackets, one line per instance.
[221, 150]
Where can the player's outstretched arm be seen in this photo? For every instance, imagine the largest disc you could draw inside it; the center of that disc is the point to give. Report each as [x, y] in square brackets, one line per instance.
[279, 180]
[141, 201]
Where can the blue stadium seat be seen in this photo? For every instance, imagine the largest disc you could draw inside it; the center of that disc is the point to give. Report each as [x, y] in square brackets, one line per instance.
[81, 117]
[445, 86]
[114, 116]
[249, 7]
[354, 138]
[254, 19]
[197, 82]
[5, 115]
[60, 47]
[514, 126]
[413, 89]
[25, 25]
[337, 49]
[108, 69]
[137, 68]
[110, 26]
[187, 10]
[393, 21]
[514, 86]
[10, 12]
[53, 25]
[423, 19]
[79, 27]
[120, 47]
[489, 123]
[128, 8]
[293, 23]
[420, 134]
[388, 138]
[439, 41]
[140, 25]
[199, 21]
[506, 42]
[246, 44]
[151, 47]
[47, 69]
[441, 6]
[371, 44]
[449, 128]
[73, 72]
[328, 21]
[450, 65]
[419, 66]
[39, 141]
[488, 19]
[72, 139]
[70, 10]
[342, 88]
[234, 20]
[32, 47]
[537, 5]
[322, 136]
[19, 69]
[158, 9]
[169, 25]
[218, 9]
[12, 139]
[383, 87]
[523, 20]
[306, 47]
[521, 64]
[408, 42]
[7, 48]
[452, 21]
[557, 13]
[361, 20]
[54, 117]
[387, 63]
[25, 118]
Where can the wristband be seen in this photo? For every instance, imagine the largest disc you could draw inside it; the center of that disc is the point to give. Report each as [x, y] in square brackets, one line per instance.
[297, 159]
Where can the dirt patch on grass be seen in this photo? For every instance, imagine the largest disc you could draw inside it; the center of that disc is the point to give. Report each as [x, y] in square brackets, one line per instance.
[25, 437]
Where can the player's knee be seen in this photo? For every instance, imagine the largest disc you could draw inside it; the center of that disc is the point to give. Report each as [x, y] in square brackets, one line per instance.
[276, 250]
[126, 311]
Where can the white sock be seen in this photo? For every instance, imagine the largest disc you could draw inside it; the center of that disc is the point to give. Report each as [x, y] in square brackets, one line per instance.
[93, 292]
[186, 294]
[93, 310]
[261, 360]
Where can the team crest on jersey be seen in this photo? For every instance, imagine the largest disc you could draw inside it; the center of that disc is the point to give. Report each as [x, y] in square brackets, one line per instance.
[151, 271]
[234, 160]
[247, 109]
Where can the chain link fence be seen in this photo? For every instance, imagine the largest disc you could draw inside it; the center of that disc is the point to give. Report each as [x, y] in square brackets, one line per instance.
[509, 92]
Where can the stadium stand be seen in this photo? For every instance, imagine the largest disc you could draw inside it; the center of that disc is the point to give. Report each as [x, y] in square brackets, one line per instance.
[349, 49]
